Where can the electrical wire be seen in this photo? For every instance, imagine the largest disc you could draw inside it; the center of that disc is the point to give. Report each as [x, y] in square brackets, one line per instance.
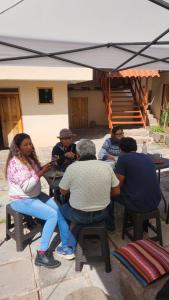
[10, 7]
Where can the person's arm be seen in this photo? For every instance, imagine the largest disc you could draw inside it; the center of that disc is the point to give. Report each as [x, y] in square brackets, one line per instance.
[115, 189]
[103, 153]
[25, 178]
[121, 178]
[64, 192]
[120, 170]
[65, 182]
[44, 169]
[58, 154]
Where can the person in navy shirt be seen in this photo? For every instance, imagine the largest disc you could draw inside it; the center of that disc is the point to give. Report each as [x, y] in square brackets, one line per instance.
[140, 189]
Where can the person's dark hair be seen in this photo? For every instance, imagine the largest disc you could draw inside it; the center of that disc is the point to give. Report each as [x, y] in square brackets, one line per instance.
[15, 150]
[116, 128]
[128, 144]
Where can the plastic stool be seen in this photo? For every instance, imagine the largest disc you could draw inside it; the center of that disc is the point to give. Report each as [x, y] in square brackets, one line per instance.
[93, 231]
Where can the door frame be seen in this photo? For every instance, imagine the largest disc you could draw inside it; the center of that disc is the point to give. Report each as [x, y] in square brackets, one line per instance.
[19, 101]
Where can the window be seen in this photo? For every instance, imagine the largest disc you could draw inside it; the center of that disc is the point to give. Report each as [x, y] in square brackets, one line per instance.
[45, 95]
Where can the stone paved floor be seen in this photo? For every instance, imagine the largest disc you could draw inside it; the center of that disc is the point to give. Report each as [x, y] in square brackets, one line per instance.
[21, 279]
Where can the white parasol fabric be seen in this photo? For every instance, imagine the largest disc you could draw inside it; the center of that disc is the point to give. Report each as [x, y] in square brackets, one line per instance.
[111, 34]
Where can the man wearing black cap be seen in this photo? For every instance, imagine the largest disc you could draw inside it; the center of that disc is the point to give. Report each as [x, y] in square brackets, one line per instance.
[64, 152]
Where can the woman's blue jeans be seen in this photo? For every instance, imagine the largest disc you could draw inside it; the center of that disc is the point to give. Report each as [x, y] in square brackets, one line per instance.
[44, 208]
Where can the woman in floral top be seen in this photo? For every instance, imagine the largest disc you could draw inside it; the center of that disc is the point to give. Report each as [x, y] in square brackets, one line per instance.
[23, 173]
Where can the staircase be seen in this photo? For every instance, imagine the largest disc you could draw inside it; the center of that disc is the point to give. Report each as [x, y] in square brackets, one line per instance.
[124, 109]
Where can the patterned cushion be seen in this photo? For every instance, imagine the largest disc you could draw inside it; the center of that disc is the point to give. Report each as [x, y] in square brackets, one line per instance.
[146, 260]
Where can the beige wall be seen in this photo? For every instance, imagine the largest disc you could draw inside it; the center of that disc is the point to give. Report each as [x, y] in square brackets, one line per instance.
[157, 88]
[96, 109]
[42, 121]
[45, 73]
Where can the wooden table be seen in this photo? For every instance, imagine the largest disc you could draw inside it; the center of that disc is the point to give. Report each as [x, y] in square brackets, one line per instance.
[162, 164]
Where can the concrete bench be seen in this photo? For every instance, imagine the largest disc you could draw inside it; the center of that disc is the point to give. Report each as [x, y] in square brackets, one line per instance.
[132, 289]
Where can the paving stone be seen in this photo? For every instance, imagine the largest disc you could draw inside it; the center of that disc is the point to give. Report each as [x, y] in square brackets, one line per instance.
[88, 293]
[2, 231]
[165, 233]
[8, 253]
[55, 276]
[30, 296]
[61, 290]
[108, 282]
[16, 278]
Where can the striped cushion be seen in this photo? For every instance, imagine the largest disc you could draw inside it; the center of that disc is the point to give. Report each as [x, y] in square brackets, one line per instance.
[146, 260]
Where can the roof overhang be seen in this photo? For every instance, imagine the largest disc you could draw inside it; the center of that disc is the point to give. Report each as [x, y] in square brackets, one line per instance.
[135, 73]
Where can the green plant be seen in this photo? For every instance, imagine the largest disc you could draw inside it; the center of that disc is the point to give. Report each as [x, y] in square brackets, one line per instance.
[157, 129]
[164, 120]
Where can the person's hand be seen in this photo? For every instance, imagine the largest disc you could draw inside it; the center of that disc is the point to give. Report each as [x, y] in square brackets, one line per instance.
[44, 169]
[110, 157]
[69, 154]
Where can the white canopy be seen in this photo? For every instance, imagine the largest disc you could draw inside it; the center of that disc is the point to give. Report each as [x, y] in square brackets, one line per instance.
[47, 33]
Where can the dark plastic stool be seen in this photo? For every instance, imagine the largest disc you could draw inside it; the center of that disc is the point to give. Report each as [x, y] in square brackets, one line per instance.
[138, 221]
[15, 224]
[96, 230]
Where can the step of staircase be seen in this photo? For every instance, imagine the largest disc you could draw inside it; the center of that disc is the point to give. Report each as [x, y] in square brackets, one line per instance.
[127, 117]
[124, 109]
[127, 122]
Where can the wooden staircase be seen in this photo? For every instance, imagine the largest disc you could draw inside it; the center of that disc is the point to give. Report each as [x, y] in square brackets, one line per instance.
[125, 106]
[124, 109]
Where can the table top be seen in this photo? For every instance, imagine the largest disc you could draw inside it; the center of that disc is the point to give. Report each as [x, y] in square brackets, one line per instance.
[162, 163]
[53, 177]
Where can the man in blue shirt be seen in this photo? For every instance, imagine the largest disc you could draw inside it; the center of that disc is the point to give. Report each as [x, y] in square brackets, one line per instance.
[140, 190]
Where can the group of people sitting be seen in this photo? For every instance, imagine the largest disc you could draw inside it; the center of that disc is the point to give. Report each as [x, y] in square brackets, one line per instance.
[93, 186]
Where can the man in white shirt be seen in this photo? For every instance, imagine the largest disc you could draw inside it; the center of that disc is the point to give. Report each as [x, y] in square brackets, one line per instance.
[91, 183]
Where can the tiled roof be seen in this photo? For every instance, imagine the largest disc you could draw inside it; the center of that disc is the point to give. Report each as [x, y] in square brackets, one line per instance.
[136, 73]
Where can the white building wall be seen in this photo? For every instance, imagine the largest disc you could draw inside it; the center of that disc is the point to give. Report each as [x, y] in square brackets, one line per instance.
[42, 121]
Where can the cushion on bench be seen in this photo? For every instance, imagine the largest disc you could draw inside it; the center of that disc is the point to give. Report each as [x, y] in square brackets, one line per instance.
[146, 260]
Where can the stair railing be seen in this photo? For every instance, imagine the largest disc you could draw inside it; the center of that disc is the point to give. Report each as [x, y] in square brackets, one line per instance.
[106, 90]
[140, 96]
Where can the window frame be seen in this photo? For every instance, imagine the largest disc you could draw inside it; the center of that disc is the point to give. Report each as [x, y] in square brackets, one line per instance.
[44, 88]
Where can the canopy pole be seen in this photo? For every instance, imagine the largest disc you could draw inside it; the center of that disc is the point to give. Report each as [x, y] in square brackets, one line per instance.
[143, 55]
[141, 64]
[140, 51]
[162, 3]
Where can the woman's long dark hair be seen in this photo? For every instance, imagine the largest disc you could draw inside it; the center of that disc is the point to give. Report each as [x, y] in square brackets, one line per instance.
[15, 151]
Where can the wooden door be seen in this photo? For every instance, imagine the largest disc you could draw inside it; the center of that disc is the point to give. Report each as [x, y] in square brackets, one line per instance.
[78, 112]
[10, 117]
